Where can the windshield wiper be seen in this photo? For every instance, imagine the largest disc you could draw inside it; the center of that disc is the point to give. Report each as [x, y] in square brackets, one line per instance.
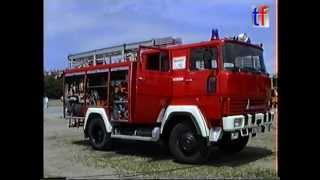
[249, 69]
[234, 69]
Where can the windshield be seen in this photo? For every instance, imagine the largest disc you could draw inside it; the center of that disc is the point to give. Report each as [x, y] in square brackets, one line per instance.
[243, 58]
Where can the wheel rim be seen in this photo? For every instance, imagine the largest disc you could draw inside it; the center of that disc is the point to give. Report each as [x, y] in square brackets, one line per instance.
[97, 134]
[188, 143]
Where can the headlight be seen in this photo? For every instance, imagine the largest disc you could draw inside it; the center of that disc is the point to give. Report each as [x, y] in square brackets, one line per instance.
[237, 122]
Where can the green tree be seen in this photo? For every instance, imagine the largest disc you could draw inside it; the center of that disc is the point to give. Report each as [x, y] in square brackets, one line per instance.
[53, 88]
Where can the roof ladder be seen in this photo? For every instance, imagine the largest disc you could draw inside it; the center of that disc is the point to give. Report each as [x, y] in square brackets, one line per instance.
[106, 55]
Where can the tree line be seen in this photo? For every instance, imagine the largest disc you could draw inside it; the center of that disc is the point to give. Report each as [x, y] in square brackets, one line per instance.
[53, 87]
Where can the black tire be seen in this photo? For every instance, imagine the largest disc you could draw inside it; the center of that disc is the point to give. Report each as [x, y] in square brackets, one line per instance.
[98, 136]
[232, 146]
[186, 145]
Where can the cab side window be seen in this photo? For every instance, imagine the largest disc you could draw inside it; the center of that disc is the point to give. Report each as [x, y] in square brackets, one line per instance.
[157, 62]
[203, 58]
[152, 62]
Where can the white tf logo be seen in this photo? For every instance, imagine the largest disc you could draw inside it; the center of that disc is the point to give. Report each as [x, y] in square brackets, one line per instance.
[248, 104]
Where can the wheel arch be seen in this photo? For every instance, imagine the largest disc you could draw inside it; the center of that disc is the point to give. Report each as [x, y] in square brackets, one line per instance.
[93, 113]
[177, 114]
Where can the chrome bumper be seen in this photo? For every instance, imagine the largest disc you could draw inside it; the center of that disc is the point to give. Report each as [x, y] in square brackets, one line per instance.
[248, 123]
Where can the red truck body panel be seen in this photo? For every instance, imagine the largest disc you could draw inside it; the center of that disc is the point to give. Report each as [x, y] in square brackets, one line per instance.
[150, 91]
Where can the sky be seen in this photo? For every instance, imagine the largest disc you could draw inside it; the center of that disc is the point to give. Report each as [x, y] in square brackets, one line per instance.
[73, 26]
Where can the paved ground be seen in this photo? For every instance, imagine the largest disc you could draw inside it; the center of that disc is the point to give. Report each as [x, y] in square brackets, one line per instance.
[68, 154]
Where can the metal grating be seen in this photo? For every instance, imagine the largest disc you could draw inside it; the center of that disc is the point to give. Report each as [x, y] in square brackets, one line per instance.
[238, 105]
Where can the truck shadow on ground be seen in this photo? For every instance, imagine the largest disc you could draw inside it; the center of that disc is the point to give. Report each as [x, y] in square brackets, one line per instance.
[156, 152]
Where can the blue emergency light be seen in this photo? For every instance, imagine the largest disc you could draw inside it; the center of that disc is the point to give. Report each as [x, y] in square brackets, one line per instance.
[214, 34]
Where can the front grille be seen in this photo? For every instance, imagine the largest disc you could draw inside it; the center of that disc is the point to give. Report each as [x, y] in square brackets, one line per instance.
[253, 120]
[269, 115]
[257, 102]
[258, 121]
[246, 120]
[238, 105]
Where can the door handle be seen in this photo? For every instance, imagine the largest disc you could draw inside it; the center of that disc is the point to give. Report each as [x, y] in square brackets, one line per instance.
[140, 78]
[188, 80]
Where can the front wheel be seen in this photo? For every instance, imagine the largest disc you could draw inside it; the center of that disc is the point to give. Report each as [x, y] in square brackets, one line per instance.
[99, 138]
[232, 146]
[186, 145]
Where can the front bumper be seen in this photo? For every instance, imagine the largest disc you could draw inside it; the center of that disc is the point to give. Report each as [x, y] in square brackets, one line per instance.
[248, 123]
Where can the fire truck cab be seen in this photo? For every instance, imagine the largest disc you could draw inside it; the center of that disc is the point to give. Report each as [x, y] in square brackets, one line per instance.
[187, 96]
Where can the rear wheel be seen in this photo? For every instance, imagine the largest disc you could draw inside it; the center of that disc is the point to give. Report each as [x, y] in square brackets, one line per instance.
[186, 145]
[99, 138]
[232, 146]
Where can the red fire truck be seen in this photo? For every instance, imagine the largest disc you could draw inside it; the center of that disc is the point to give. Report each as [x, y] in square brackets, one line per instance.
[187, 96]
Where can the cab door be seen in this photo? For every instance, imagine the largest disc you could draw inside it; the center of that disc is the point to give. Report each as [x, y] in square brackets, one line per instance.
[202, 80]
[153, 85]
[203, 66]
[179, 59]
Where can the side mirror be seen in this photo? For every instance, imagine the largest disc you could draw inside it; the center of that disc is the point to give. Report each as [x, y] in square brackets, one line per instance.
[211, 84]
